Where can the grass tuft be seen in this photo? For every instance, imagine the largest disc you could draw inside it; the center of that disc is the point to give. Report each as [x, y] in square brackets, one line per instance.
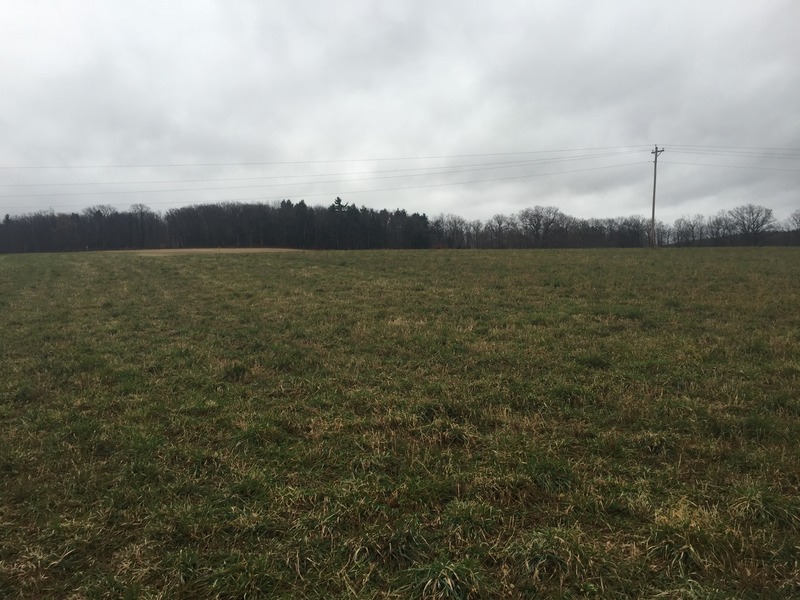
[444, 580]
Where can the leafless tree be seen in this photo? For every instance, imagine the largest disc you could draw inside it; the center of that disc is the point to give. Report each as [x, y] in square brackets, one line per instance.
[793, 227]
[690, 230]
[498, 227]
[793, 224]
[454, 231]
[751, 222]
[699, 228]
[530, 221]
[539, 224]
[719, 227]
[682, 231]
[474, 229]
[665, 235]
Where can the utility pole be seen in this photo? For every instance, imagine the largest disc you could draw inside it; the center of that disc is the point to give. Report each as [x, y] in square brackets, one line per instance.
[655, 153]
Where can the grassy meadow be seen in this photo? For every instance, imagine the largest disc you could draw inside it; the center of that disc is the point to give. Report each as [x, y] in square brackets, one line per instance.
[401, 424]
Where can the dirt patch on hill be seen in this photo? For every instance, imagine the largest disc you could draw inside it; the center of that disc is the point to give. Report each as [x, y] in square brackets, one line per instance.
[177, 251]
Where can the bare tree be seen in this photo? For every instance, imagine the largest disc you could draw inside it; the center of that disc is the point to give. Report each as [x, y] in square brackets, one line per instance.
[101, 224]
[718, 227]
[793, 223]
[698, 223]
[690, 230]
[498, 227]
[455, 231]
[664, 234]
[146, 223]
[540, 224]
[793, 226]
[682, 231]
[530, 221]
[554, 220]
[751, 222]
[474, 229]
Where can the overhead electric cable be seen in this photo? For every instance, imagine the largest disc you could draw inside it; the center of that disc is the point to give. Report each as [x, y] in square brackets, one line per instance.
[461, 168]
[414, 187]
[735, 147]
[671, 162]
[309, 162]
[740, 154]
[249, 186]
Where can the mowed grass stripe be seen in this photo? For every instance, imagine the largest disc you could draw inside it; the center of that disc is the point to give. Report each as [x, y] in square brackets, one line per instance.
[617, 423]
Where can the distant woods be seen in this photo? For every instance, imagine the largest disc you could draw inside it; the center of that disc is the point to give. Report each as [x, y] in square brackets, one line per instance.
[345, 226]
[229, 225]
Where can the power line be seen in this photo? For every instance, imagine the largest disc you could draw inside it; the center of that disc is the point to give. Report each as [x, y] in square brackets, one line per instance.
[238, 187]
[741, 154]
[313, 179]
[394, 189]
[266, 177]
[310, 162]
[670, 162]
[454, 169]
[735, 148]
[687, 147]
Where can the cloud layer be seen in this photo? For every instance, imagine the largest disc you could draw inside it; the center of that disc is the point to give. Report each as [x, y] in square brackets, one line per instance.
[329, 88]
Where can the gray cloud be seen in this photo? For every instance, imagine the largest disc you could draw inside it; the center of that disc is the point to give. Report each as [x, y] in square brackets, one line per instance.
[112, 83]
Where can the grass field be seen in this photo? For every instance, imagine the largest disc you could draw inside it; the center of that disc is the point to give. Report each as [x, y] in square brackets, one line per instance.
[433, 424]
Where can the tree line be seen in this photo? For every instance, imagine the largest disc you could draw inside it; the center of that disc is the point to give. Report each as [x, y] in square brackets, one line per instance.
[548, 227]
[345, 226]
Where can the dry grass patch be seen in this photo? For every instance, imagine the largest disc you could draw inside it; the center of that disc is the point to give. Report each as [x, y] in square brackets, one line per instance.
[188, 251]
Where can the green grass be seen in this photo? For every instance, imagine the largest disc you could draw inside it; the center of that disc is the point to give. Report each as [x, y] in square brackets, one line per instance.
[473, 424]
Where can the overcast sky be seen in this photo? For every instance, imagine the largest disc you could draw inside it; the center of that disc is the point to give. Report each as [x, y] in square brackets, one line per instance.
[465, 107]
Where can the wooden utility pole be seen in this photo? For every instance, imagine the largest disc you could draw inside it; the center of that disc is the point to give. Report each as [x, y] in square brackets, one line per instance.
[655, 153]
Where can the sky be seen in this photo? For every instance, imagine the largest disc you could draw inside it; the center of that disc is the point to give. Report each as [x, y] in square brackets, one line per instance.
[442, 107]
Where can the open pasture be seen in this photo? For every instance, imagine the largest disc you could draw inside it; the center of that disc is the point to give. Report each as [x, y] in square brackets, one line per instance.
[432, 424]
